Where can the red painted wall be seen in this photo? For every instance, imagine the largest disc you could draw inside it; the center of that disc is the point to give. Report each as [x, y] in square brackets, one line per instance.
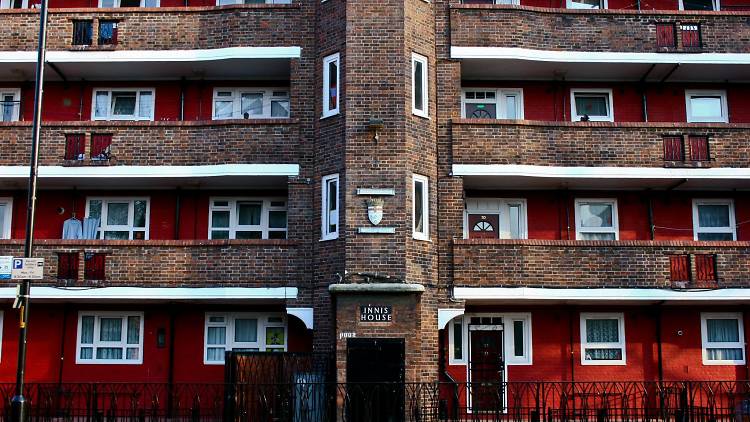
[48, 323]
[554, 328]
[193, 211]
[551, 215]
[666, 103]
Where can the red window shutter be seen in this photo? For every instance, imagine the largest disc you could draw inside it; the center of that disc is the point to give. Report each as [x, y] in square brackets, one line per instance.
[94, 266]
[673, 148]
[75, 146]
[699, 148]
[665, 35]
[679, 268]
[67, 266]
[705, 267]
[100, 146]
[691, 35]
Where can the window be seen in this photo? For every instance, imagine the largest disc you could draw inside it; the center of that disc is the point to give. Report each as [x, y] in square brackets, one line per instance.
[419, 87]
[10, 101]
[120, 218]
[517, 336]
[706, 106]
[699, 148]
[586, 4]
[6, 211]
[596, 219]
[75, 145]
[250, 103]
[691, 35]
[14, 4]
[602, 339]
[723, 339]
[679, 267]
[243, 332]
[492, 104]
[421, 207]
[128, 3]
[700, 5]
[123, 104]
[705, 267]
[665, 35]
[110, 337]
[713, 219]
[94, 266]
[674, 149]
[331, 84]
[247, 218]
[101, 145]
[82, 32]
[591, 105]
[330, 206]
[491, 218]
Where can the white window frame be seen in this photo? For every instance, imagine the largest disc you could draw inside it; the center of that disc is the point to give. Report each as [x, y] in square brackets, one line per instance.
[332, 216]
[98, 343]
[5, 4]
[327, 61]
[705, 345]
[716, 4]
[103, 227]
[696, 220]
[604, 3]
[229, 319]
[509, 339]
[621, 344]
[500, 103]
[142, 3]
[111, 117]
[475, 206]
[689, 93]
[268, 99]
[16, 93]
[233, 228]
[418, 58]
[574, 116]
[615, 220]
[7, 219]
[425, 233]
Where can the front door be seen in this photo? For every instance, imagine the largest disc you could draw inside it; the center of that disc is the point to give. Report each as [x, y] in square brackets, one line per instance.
[486, 368]
[375, 380]
[484, 226]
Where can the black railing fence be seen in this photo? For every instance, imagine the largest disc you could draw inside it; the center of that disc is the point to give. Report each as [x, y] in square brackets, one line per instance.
[306, 400]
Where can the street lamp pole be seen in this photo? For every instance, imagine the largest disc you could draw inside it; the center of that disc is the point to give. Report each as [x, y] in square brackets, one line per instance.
[19, 405]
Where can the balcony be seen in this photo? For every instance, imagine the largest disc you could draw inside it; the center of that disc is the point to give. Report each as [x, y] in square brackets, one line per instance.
[164, 28]
[165, 263]
[599, 30]
[583, 264]
[161, 143]
[595, 144]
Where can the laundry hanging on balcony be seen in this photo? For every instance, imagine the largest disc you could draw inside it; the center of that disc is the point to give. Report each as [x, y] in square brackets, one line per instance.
[72, 229]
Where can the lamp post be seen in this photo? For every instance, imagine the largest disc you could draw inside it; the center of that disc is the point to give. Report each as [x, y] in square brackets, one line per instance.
[19, 405]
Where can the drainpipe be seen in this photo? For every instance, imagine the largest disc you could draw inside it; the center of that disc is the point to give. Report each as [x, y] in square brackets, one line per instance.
[182, 93]
[566, 204]
[80, 100]
[659, 355]
[644, 103]
[651, 215]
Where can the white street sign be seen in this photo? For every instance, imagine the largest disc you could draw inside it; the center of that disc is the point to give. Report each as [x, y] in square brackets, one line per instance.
[27, 269]
[5, 264]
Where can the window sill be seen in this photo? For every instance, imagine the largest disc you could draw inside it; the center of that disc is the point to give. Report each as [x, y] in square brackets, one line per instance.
[421, 116]
[325, 116]
[326, 239]
[422, 238]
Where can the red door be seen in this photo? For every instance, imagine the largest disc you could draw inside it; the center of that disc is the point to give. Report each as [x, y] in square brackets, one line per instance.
[486, 366]
[484, 226]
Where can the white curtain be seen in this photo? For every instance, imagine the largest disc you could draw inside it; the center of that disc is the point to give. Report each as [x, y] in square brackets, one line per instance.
[723, 331]
[216, 336]
[245, 330]
[603, 331]
[145, 104]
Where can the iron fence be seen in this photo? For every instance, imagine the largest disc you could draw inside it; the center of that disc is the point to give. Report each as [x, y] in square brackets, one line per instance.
[307, 400]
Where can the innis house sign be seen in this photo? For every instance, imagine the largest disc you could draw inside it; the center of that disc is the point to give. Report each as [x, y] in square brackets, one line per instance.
[375, 313]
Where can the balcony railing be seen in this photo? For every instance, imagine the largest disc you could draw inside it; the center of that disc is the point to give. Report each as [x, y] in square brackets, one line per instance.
[571, 263]
[305, 401]
[165, 263]
[598, 30]
[258, 25]
[265, 141]
[490, 141]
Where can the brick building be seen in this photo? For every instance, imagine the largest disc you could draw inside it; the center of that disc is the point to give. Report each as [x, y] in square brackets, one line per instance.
[431, 190]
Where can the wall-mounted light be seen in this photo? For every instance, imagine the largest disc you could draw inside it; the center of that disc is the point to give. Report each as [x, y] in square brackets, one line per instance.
[376, 125]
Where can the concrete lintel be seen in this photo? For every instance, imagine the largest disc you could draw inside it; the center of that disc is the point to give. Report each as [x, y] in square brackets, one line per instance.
[376, 288]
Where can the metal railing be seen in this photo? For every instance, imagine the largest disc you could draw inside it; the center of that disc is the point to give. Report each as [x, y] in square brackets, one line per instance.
[308, 400]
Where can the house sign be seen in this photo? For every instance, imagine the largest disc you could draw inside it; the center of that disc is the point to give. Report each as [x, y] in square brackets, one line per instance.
[375, 313]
